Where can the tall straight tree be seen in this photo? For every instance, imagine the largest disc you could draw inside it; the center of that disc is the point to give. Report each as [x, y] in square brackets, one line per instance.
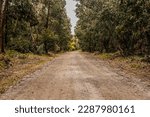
[3, 6]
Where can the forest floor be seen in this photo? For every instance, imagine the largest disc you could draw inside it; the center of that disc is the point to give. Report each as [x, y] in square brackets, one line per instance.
[78, 75]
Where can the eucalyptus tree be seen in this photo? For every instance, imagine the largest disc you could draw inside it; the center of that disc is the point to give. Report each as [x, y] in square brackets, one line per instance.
[96, 21]
[32, 25]
[133, 28]
[114, 25]
[19, 17]
[57, 23]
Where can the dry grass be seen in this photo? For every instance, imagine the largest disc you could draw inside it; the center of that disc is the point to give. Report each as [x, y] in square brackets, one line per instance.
[14, 66]
[131, 64]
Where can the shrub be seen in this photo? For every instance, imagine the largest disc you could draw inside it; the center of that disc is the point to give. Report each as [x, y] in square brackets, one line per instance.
[20, 45]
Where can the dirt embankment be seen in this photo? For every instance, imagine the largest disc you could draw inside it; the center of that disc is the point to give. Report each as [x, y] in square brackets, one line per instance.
[77, 75]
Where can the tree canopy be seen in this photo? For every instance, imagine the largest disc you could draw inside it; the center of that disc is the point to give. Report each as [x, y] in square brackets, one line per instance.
[35, 26]
[40, 26]
[114, 25]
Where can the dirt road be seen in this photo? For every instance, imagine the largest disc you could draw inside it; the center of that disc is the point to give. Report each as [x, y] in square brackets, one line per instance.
[77, 75]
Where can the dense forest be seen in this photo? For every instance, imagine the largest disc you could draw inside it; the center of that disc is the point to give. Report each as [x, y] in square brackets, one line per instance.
[36, 26]
[121, 26]
[39, 26]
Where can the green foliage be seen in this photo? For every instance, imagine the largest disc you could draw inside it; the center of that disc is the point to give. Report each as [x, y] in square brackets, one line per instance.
[49, 39]
[4, 61]
[40, 49]
[20, 45]
[12, 53]
[37, 26]
[73, 44]
[114, 25]
[57, 24]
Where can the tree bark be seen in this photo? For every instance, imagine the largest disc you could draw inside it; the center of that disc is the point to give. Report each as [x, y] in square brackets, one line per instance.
[1, 31]
[48, 15]
[3, 7]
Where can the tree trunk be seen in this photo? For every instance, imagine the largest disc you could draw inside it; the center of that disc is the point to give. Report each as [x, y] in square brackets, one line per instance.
[48, 14]
[6, 31]
[3, 7]
[1, 30]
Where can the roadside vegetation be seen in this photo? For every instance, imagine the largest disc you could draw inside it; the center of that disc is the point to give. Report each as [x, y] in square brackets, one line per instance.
[110, 26]
[131, 65]
[14, 66]
[32, 32]
[117, 31]
[36, 26]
